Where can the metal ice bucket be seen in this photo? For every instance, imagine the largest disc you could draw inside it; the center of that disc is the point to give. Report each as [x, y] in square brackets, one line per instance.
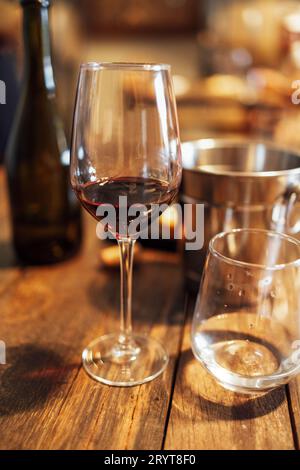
[242, 183]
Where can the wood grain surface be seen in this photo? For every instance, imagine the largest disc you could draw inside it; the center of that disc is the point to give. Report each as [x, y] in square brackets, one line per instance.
[47, 401]
[205, 416]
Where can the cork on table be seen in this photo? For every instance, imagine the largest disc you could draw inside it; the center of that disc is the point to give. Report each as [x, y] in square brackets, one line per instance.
[49, 314]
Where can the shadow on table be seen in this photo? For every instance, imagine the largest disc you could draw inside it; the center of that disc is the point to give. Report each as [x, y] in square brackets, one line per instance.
[31, 376]
[7, 257]
[157, 296]
[216, 403]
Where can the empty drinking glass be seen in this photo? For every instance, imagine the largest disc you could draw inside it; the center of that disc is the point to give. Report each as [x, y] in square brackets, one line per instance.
[246, 325]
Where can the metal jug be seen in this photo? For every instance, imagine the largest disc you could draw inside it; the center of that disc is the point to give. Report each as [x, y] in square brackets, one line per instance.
[242, 184]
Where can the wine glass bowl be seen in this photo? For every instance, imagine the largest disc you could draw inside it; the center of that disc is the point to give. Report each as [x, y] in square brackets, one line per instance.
[128, 121]
[125, 157]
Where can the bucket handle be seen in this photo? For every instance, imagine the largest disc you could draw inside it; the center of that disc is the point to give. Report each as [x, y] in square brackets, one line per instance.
[282, 212]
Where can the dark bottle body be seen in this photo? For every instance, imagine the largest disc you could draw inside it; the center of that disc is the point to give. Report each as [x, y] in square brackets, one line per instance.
[46, 217]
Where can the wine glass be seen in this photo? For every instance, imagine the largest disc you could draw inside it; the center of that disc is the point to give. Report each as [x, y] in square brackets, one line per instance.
[246, 325]
[125, 146]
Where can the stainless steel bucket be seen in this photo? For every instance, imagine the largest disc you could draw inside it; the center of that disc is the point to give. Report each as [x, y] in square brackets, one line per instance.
[242, 184]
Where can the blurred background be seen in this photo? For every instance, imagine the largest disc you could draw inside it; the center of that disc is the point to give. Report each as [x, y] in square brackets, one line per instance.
[233, 61]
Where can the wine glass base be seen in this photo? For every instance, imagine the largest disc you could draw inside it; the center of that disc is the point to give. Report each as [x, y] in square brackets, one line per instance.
[105, 361]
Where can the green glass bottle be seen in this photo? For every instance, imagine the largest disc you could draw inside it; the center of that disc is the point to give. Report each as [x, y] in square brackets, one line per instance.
[46, 219]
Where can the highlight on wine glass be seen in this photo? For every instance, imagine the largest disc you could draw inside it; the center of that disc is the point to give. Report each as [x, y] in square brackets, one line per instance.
[246, 325]
[125, 147]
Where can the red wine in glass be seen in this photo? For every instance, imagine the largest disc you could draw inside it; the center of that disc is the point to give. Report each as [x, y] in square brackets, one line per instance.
[142, 193]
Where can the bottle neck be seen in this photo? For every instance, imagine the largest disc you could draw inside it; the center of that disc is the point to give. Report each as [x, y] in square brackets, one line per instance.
[38, 66]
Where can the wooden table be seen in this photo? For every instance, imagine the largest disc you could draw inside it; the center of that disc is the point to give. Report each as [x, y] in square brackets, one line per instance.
[47, 401]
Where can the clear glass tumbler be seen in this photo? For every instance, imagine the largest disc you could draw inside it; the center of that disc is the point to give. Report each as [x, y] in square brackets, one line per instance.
[246, 325]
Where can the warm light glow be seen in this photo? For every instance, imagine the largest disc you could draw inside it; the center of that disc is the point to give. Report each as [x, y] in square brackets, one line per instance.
[292, 22]
[169, 217]
[295, 52]
[252, 17]
[181, 85]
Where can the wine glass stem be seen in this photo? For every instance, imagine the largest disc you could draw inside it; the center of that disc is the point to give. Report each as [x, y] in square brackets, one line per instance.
[126, 261]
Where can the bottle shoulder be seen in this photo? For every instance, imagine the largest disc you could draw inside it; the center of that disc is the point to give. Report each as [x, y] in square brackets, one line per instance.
[37, 130]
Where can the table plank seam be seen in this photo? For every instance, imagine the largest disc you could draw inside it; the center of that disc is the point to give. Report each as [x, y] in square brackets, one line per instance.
[292, 418]
[176, 366]
[132, 415]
